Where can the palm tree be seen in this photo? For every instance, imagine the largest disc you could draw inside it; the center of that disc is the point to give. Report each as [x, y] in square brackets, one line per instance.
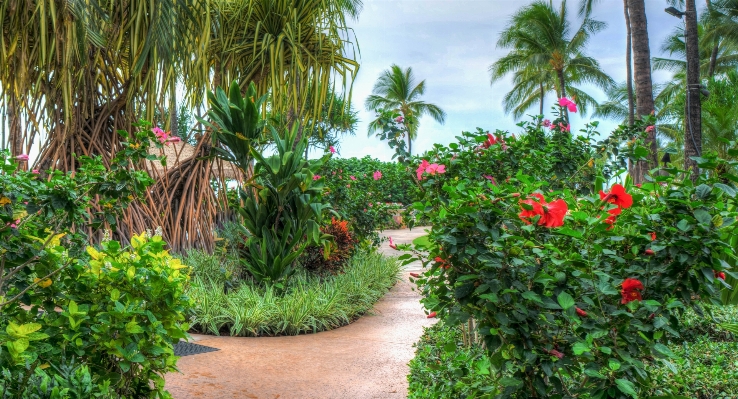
[397, 91]
[546, 56]
[585, 9]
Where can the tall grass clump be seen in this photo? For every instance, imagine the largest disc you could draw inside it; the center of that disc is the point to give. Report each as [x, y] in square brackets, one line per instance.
[310, 303]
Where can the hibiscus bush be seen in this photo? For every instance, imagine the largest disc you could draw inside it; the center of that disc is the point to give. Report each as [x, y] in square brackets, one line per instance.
[369, 193]
[574, 286]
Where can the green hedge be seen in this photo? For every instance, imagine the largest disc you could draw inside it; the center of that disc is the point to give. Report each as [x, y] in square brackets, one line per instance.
[310, 303]
[706, 362]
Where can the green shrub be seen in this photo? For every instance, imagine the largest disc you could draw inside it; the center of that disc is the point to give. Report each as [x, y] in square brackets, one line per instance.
[574, 286]
[444, 368]
[339, 249]
[309, 303]
[369, 204]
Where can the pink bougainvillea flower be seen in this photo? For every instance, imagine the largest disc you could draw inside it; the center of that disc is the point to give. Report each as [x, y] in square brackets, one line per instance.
[35, 171]
[650, 128]
[631, 291]
[431, 315]
[22, 157]
[617, 196]
[316, 177]
[421, 169]
[392, 244]
[377, 175]
[546, 123]
[570, 105]
[332, 150]
[352, 177]
[399, 119]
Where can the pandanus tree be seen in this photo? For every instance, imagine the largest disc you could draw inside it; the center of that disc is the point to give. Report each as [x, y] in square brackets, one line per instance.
[396, 90]
[546, 56]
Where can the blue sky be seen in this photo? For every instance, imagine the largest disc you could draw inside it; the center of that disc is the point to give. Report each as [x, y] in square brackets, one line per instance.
[451, 43]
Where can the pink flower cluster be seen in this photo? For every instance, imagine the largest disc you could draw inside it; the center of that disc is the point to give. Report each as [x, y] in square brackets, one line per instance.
[570, 105]
[165, 137]
[399, 119]
[332, 150]
[430, 168]
[377, 175]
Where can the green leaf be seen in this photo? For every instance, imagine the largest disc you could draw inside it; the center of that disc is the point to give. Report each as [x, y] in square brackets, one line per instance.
[702, 216]
[580, 347]
[703, 191]
[510, 382]
[532, 296]
[614, 364]
[664, 350]
[726, 189]
[565, 300]
[569, 232]
[626, 387]
[422, 242]
[133, 328]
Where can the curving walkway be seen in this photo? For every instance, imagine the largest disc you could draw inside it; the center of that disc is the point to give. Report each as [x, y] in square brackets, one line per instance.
[366, 359]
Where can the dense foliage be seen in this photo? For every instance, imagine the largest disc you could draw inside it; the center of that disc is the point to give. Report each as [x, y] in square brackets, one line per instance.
[308, 304]
[332, 259]
[573, 286]
[369, 193]
[446, 367]
[79, 321]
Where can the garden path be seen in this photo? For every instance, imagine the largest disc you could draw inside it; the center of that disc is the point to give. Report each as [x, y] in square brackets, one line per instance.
[364, 360]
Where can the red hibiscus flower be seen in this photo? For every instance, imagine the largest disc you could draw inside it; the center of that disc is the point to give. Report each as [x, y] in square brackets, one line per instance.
[649, 252]
[617, 196]
[581, 313]
[553, 214]
[720, 275]
[653, 236]
[491, 140]
[431, 315]
[631, 290]
[611, 221]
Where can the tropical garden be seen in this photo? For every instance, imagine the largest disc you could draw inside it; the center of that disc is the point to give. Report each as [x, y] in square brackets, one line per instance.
[172, 168]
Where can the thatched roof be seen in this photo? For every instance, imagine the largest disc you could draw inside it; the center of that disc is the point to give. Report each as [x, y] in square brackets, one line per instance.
[177, 153]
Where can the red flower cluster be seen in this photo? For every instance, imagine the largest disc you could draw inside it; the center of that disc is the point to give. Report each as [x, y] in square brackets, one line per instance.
[551, 213]
[720, 275]
[631, 290]
[444, 264]
[619, 197]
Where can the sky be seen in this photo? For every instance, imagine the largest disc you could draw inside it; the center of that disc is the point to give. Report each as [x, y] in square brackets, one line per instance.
[451, 44]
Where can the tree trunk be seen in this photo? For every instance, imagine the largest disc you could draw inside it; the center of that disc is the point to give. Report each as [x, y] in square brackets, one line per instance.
[543, 94]
[15, 133]
[693, 110]
[629, 65]
[562, 83]
[409, 144]
[644, 85]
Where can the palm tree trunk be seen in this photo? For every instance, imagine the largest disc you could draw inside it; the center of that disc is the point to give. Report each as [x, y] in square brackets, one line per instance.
[629, 65]
[543, 94]
[173, 121]
[409, 145]
[643, 82]
[693, 111]
[562, 83]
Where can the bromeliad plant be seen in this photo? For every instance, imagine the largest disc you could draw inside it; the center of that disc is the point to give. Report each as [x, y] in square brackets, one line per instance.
[574, 287]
